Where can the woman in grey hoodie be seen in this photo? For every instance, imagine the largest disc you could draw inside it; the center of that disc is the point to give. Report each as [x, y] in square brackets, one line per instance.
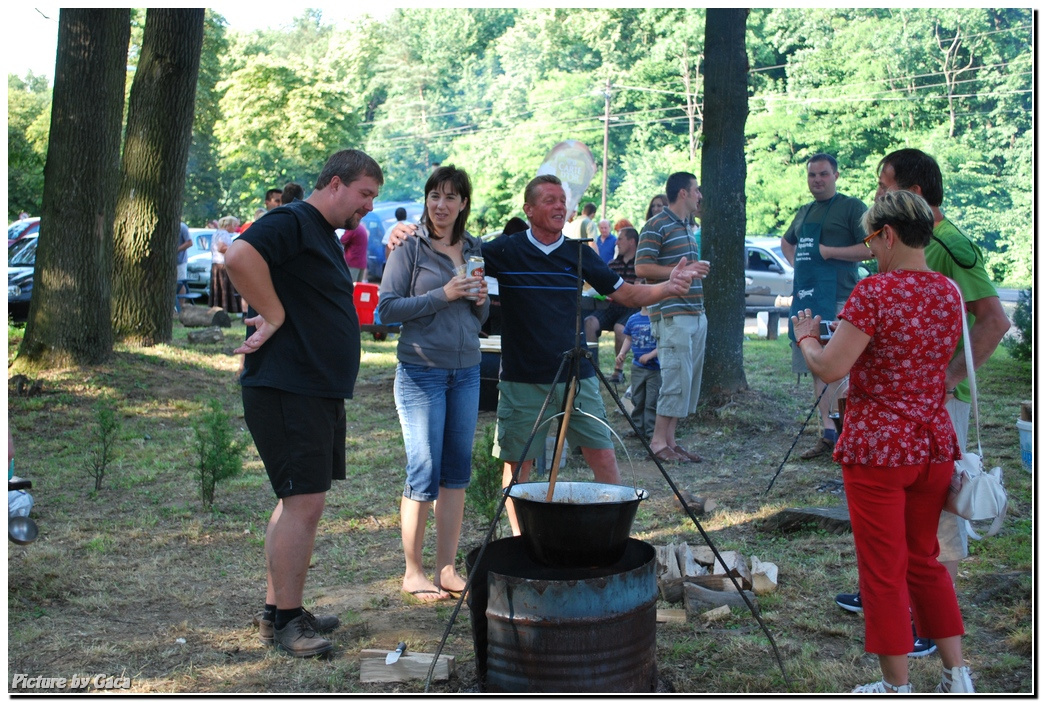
[437, 382]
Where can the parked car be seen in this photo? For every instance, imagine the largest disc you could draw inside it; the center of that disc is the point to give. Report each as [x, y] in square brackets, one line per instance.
[21, 264]
[768, 275]
[380, 221]
[200, 261]
[22, 228]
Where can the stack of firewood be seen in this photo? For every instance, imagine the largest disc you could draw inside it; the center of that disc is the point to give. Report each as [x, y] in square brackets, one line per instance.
[704, 583]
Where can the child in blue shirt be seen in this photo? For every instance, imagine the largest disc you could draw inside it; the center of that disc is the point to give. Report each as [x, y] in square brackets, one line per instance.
[646, 373]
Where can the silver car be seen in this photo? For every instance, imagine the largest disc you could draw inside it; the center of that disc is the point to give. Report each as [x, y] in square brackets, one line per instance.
[200, 261]
[768, 275]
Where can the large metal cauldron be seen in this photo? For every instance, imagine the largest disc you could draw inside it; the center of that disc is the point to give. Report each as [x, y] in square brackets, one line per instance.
[586, 524]
[541, 629]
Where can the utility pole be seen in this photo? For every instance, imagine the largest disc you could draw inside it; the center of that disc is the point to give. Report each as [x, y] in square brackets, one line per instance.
[607, 121]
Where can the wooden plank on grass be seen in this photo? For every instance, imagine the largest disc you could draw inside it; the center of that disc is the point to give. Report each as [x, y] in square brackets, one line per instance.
[671, 616]
[411, 666]
[834, 520]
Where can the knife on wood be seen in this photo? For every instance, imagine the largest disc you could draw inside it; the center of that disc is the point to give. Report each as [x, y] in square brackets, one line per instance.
[394, 655]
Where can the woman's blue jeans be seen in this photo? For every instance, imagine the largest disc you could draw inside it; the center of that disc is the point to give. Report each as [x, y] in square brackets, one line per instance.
[437, 408]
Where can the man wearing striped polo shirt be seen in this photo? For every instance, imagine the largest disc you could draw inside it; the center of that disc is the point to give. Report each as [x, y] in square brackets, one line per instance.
[678, 323]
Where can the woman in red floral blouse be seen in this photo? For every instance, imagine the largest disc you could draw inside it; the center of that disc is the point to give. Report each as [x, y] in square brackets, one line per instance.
[896, 336]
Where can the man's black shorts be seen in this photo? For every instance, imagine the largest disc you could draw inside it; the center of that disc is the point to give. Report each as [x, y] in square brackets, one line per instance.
[301, 439]
[612, 315]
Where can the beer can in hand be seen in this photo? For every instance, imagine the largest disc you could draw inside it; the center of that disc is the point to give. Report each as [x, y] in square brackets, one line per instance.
[474, 268]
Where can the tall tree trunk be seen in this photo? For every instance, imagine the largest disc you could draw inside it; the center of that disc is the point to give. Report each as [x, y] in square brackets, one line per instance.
[69, 319]
[151, 188]
[723, 178]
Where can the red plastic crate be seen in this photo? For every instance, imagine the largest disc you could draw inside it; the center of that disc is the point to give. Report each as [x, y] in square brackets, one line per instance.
[366, 297]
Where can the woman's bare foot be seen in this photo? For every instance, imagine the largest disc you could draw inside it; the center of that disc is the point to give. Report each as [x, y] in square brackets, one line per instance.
[422, 589]
[450, 581]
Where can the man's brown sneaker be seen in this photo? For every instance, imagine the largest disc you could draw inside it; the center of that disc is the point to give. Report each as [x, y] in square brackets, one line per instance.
[298, 638]
[323, 623]
[820, 448]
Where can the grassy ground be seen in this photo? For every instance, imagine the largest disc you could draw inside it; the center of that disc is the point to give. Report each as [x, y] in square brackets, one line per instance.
[138, 579]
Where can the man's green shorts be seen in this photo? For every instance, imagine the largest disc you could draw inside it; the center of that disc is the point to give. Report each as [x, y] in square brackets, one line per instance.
[519, 405]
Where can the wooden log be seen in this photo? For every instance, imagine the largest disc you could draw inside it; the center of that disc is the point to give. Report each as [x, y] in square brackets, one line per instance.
[764, 576]
[197, 316]
[212, 335]
[702, 554]
[834, 520]
[411, 666]
[671, 616]
[698, 504]
[670, 564]
[714, 615]
[720, 582]
[689, 565]
[671, 590]
[732, 560]
[697, 599]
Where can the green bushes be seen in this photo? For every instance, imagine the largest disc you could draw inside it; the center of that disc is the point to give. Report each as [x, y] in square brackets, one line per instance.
[104, 434]
[220, 457]
[1022, 348]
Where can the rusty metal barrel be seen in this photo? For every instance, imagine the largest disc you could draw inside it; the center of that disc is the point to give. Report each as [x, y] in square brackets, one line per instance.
[543, 629]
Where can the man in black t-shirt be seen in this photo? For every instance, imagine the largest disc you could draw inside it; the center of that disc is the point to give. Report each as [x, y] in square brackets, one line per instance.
[301, 361]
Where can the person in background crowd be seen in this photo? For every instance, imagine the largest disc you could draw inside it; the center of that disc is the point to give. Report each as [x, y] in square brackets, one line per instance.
[184, 242]
[222, 292]
[291, 192]
[585, 227]
[437, 382]
[898, 332]
[272, 199]
[823, 245]
[604, 244]
[621, 224]
[656, 205]
[514, 226]
[646, 372]
[257, 214]
[356, 251]
[614, 316]
[302, 356]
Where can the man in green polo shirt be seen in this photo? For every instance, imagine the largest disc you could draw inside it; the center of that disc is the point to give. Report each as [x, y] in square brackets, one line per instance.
[823, 244]
[956, 256]
[952, 253]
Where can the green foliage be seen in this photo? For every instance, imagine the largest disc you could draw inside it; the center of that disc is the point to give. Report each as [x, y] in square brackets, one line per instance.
[202, 188]
[28, 124]
[485, 491]
[220, 456]
[1022, 348]
[493, 89]
[104, 435]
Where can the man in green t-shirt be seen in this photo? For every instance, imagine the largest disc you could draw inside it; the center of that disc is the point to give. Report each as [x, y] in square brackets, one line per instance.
[952, 253]
[823, 244]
